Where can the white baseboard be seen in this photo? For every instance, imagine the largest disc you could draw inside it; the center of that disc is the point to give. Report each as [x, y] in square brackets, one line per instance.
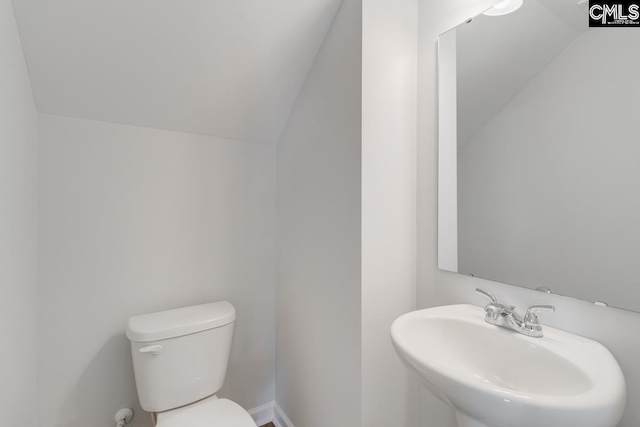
[270, 413]
[280, 419]
[262, 414]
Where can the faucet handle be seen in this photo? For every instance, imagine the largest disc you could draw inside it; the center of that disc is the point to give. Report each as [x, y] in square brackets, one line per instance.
[489, 295]
[540, 307]
[531, 320]
[493, 309]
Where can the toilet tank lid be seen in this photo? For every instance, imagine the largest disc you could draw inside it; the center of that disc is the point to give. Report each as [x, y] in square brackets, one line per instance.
[180, 321]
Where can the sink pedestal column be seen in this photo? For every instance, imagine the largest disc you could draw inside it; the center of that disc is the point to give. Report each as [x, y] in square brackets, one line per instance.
[464, 421]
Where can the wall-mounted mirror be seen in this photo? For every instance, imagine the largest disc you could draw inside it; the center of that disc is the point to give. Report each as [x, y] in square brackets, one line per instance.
[539, 152]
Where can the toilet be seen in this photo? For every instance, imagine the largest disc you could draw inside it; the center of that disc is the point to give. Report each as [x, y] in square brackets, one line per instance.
[180, 361]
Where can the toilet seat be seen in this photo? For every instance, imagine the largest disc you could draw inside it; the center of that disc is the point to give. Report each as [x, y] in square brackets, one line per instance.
[209, 412]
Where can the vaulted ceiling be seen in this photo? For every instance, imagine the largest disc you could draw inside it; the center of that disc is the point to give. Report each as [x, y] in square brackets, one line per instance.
[497, 56]
[230, 69]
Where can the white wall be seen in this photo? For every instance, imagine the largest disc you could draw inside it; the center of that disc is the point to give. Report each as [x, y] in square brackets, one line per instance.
[136, 220]
[319, 154]
[558, 205]
[389, 128]
[616, 329]
[18, 225]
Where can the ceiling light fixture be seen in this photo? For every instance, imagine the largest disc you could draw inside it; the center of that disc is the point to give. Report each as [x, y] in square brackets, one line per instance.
[504, 7]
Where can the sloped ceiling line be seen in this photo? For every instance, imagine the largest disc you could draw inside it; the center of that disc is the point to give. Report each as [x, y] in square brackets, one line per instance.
[226, 69]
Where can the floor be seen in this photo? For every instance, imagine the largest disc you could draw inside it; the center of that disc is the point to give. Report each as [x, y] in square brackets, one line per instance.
[269, 425]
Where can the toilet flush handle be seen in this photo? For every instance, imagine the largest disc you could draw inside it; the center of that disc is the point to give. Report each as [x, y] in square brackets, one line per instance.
[153, 349]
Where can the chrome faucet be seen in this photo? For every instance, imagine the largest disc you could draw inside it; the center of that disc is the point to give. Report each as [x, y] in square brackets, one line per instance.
[505, 316]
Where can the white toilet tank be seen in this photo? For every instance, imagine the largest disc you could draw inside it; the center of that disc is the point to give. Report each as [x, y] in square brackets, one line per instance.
[180, 356]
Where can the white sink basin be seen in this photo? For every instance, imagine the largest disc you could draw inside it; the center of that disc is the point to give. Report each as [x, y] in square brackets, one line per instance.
[501, 378]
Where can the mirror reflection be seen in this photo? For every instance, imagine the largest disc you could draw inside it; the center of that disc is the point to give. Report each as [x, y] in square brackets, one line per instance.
[540, 152]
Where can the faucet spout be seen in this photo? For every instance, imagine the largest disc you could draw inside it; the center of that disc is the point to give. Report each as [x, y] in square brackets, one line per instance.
[506, 316]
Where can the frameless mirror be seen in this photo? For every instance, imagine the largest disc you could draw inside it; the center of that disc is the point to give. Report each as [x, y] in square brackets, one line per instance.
[539, 152]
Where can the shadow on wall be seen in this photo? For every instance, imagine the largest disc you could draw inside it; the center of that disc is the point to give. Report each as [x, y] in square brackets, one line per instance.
[248, 350]
[106, 385]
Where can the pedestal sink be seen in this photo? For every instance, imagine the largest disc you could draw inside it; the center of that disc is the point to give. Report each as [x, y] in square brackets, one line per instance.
[494, 377]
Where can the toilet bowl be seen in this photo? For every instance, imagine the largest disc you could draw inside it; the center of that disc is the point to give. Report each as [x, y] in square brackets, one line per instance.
[209, 412]
[180, 361]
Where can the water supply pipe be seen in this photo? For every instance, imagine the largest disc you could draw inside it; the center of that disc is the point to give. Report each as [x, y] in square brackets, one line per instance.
[123, 416]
